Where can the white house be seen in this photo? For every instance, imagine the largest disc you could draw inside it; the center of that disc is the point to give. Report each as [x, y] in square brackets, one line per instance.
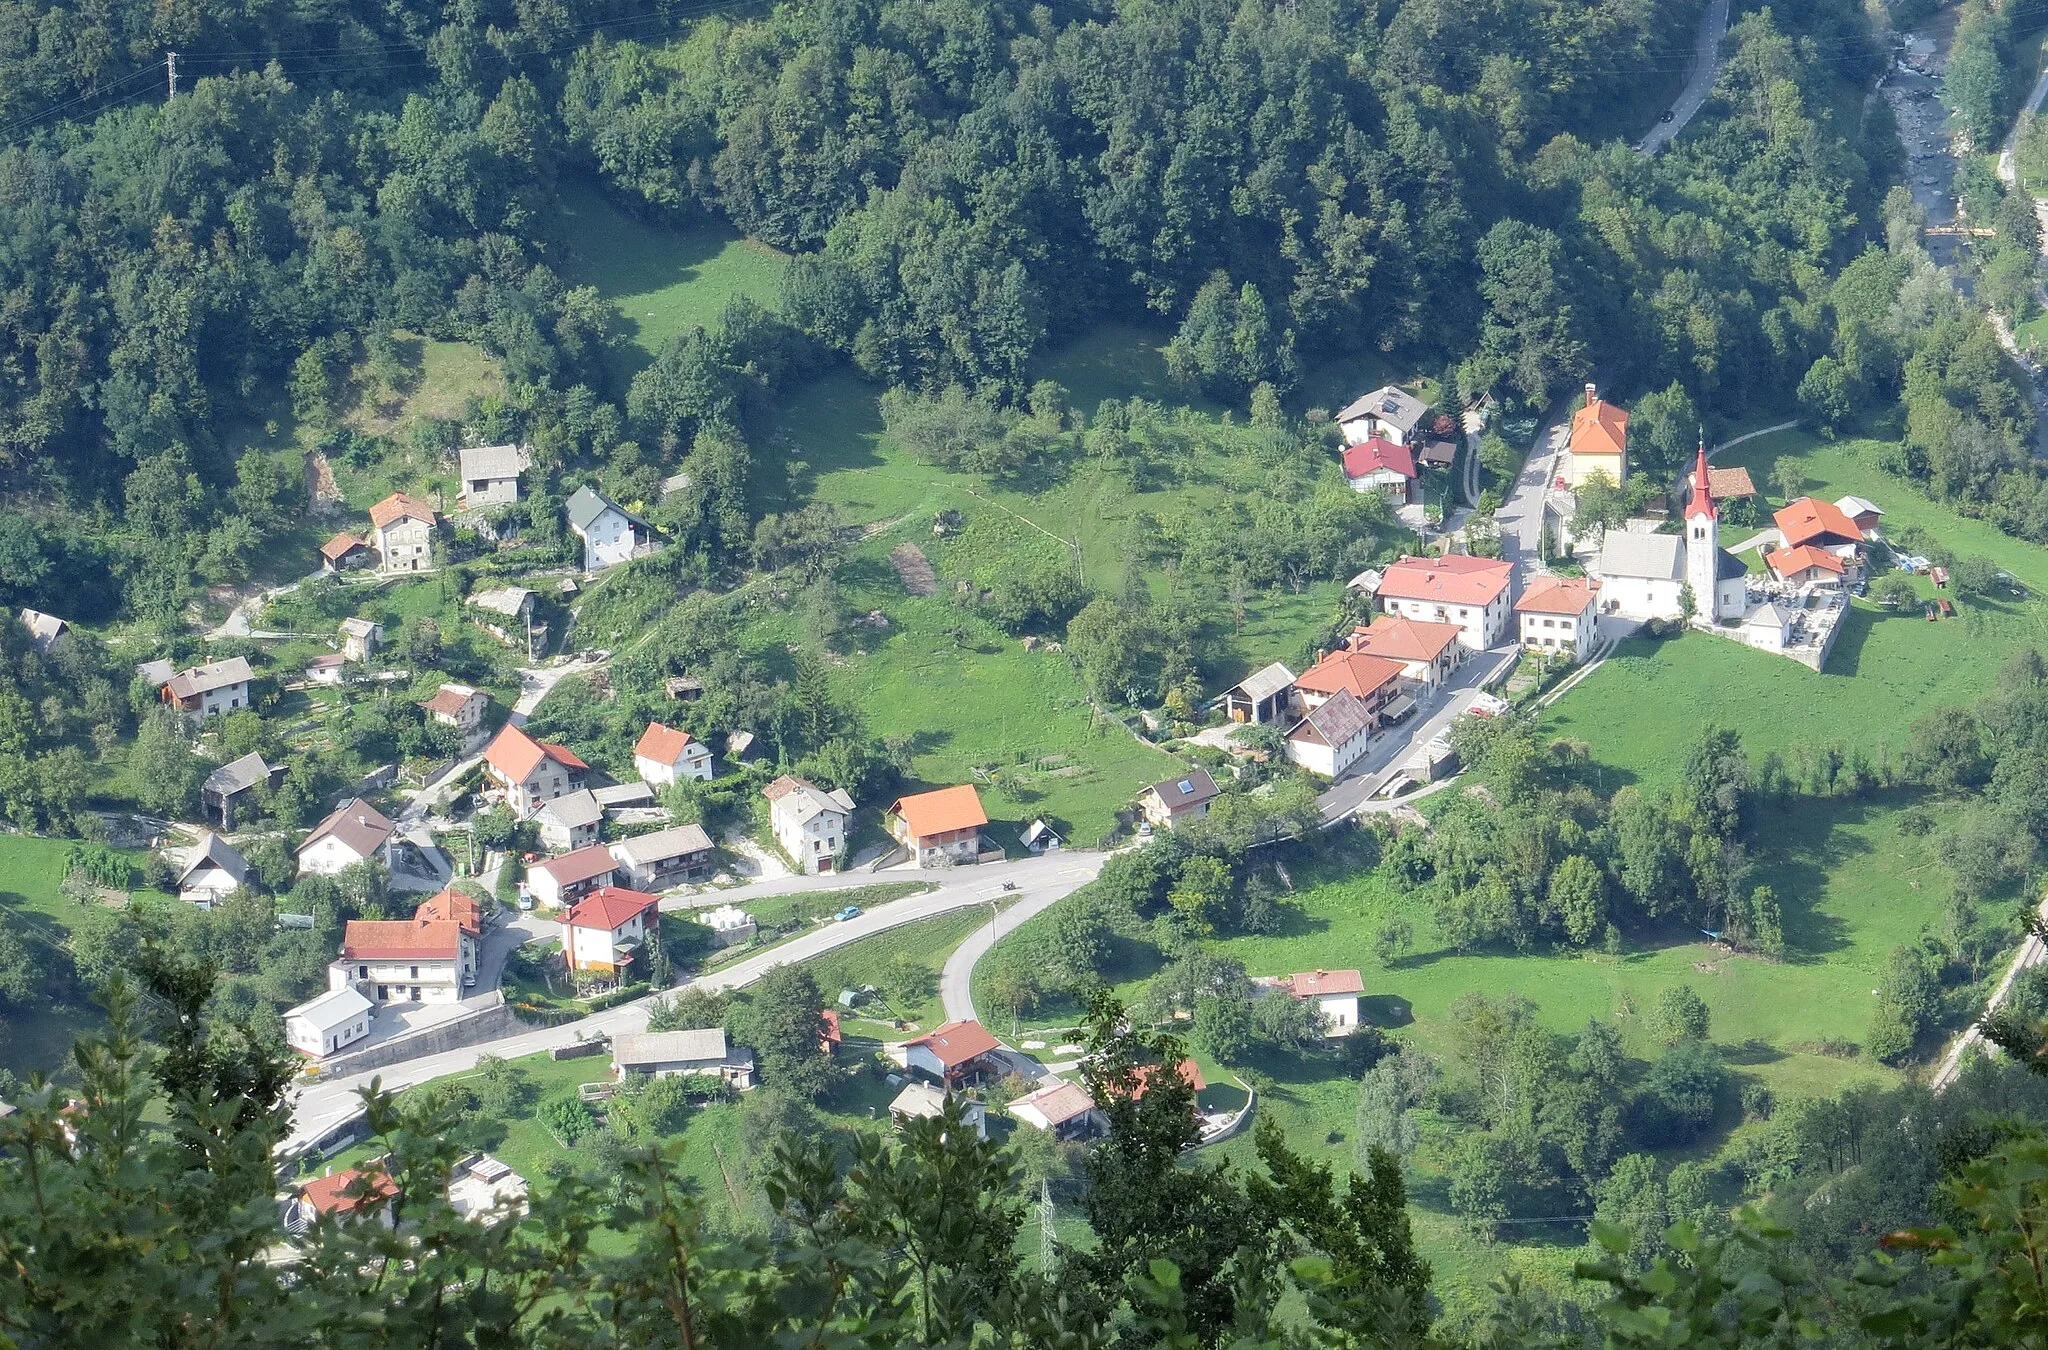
[922, 1101]
[1598, 442]
[412, 960]
[459, 706]
[563, 880]
[217, 687]
[1806, 565]
[1335, 994]
[1641, 575]
[530, 772]
[954, 1052]
[1331, 736]
[402, 529]
[1063, 1109]
[353, 832]
[1390, 412]
[569, 822]
[335, 1020]
[661, 1053]
[1560, 614]
[1166, 805]
[1427, 652]
[490, 474]
[605, 929]
[941, 827]
[808, 822]
[1379, 465]
[360, 639]
[1477, 594]
[610, 534]
[213, 870]
[670, 857]
[1768, 628]
[664, 754]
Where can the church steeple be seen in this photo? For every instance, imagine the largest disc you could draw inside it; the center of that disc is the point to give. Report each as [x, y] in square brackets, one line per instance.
[1702, 494]
[1703, 543]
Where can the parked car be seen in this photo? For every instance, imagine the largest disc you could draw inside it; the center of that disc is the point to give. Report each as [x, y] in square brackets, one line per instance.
[850, 912]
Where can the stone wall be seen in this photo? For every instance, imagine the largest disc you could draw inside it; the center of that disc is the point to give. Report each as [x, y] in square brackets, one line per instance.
[485, 1018]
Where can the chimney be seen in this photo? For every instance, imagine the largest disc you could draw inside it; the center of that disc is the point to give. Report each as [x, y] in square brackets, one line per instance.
[1592, 394]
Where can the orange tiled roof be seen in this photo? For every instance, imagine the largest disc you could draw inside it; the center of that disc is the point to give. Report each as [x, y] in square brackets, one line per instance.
[330, 1194]
[339, 547]
[467, 913]
[957, 1042]
[1455, 579]
[1403, 639]
[661, 743]
[1356, 673]
[1314, 984]
[1786, 561]
[942, 811]
[1557, 595]
[609, 907]
[1810, 518]
[401, 939]
[397, 507]
[516, 755]
[1599, 428]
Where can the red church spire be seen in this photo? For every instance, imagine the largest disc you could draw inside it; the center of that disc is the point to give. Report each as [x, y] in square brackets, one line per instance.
[1702, 495]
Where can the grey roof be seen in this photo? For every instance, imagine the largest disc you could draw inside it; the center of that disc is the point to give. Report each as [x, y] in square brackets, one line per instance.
[361, 628]
[587, 505]
[215, 675]
[919, 1101]
[578, 809]
[1036, 831]
[1624, 553]
[668, 1047]
[1337, 720]
[1727, 566]
[215, 851]
[1767, 613]
[806, 799]
[156, 672]
[1191, 789]
[238, 775]
[675, 842]
[357, 824]
[335, 1008]
[1261, 685]
[623, 794]
[510, 601]
[43, 629]
[492, 461]
[1388, 404]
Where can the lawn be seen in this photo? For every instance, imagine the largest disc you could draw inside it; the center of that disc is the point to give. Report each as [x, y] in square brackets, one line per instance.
[663, 281]
[1640, 711]
[31, 869]
[875, 961]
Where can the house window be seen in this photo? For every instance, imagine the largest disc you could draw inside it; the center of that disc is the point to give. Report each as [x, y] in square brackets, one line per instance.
[362, 972]
[415, 974]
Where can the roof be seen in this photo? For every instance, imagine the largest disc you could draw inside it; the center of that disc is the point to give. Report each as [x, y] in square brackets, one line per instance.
[805, 799]
[574, 811]
[516, 755]
[43, 629]
[1390, 404]
[1190, 1072]
[1036, 831]
[1766, 613]
[361, 827]
[1355, 673]
[704, 1045]
[214, 851]
[586, 505]
[674, 842]
[1316, 983]
[941, 811]
[1403, 639]
[331, 1194]
[955, 1043]
[361, 628]
[1599, 428]
[510, 601]
[492, 461]
[1455, 578]
[1557, 595]
[1810, 519]
[919, 1100]
[1262, 684]
[328, 661]
[446, 904]
[635, 793]
[339, 547]
[402, 939]
[1057, 1104]
[450, 699]
[1191, 789]
[1435, 452]
[335, 1008]
[216, 675]
[1848, 506]
[238, 775]
[609, 908]
[1376, 455]
[1723, 484]
[1626, 553]
[592, 860]
[662, 743]
[1786, 561]
[156, 672]
[1340, 718]
[1727, 566]
[399, 507]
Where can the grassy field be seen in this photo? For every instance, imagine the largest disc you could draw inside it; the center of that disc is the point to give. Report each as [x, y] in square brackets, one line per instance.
[663, 281]
[928, 942]
[31, 868]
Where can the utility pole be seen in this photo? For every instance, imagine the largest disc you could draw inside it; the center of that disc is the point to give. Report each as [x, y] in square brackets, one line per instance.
[171, 75]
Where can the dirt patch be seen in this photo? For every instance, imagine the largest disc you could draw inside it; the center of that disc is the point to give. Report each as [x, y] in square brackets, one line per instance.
[321, 489]
[914, 569]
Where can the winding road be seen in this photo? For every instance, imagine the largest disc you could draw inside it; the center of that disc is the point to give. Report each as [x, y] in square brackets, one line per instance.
[1706, 66]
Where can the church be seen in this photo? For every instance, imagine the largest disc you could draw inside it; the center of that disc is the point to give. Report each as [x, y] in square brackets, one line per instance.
[1647, 576]
[1716, 577]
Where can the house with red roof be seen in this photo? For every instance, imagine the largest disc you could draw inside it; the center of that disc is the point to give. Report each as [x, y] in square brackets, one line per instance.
[665, 754]
[606, 928]
[418, 960]
[354, 832]
[1379, 465]
[955, 1053]
[459, 706]
[1334, 994]
[567, 879]
[1598, 441]
[1067, 1111]
[1373, 680]
[1813, 521]
[1428, 652]
[1806, 565]
[530, 772]
[1476, 594]
[344, 553]
[1560, 616]
[342, 1196]
[402, 529]
[941, 827]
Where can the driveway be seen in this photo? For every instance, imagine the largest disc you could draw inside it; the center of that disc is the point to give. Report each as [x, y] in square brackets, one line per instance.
[1706, 65]
[1379, 765]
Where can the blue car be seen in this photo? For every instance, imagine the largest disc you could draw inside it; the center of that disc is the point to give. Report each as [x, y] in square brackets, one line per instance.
[850, 912]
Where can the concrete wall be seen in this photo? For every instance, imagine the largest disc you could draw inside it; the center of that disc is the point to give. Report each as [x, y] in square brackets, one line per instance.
[487, 1019]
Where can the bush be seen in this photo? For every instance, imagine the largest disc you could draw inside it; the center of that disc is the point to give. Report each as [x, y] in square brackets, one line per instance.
[1758, 1100]
[1680, 1015]
[1677, 1100]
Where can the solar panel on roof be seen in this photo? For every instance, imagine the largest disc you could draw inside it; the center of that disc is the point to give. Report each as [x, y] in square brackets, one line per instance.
[1187, 785]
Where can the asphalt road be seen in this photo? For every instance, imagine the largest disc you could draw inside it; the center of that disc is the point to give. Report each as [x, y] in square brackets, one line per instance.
[1706, 65]
[319, 1107]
